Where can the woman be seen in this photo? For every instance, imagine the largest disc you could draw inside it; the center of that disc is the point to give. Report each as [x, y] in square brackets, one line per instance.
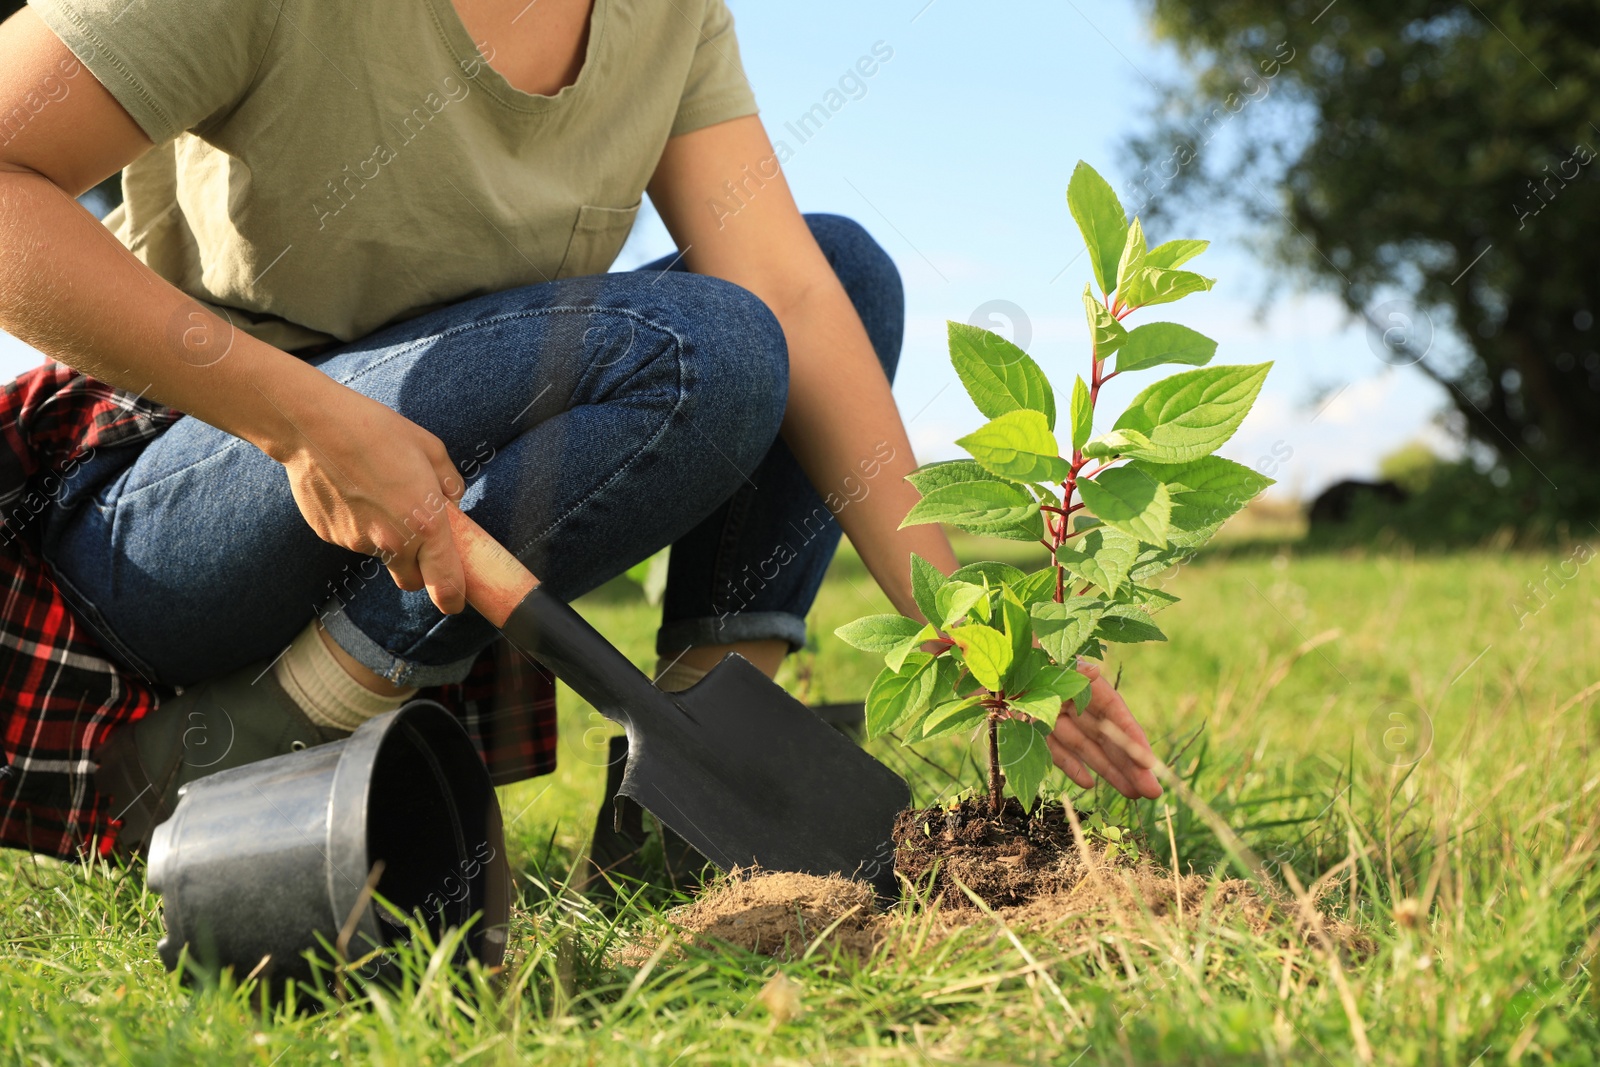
[362, 249]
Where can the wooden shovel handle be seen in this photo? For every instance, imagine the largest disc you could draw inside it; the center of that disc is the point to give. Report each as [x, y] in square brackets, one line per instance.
[496, 580]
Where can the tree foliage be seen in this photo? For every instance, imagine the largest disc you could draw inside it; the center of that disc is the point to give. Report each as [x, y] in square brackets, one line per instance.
[1432, 162]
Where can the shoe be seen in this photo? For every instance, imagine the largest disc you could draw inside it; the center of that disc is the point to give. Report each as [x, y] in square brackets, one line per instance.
[624, 850]
[214, 726]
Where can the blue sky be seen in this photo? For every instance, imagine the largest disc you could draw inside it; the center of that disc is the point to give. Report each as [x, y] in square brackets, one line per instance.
[957, 158]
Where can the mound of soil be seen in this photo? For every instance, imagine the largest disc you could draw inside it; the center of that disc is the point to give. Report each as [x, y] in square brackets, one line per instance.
[782, 915]
[1029, 872]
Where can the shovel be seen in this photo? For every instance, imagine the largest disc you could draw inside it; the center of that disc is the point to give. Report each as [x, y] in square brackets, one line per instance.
[739, 768]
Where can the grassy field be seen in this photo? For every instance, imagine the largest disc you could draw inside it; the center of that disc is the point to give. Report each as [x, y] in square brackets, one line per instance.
[1411, 736]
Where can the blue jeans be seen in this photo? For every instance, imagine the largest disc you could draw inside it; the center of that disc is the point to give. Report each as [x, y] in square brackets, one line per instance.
[595, 421]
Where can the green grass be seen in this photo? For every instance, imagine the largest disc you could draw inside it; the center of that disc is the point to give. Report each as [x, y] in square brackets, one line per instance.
[1276, 688]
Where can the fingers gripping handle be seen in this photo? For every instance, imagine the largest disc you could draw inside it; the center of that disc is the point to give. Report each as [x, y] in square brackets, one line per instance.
[496, 581]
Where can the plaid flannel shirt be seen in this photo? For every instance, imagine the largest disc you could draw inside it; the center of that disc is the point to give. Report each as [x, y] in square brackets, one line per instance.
[61, 696]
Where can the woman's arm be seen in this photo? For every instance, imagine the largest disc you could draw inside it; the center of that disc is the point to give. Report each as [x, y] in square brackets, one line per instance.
[840, 412]
[362, 475]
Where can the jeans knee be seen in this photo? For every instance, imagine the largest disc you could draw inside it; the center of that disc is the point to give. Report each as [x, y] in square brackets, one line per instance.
[739, 380]
[871, 280]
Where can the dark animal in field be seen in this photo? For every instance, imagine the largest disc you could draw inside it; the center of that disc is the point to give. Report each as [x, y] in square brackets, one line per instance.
[1335, 505]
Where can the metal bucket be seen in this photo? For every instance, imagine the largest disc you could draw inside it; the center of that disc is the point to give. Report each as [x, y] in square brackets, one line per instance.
[261, 864]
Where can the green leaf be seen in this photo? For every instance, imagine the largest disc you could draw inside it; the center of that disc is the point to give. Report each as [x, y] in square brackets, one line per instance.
[986, 652]
[1156, 343]
[1036, 587]
[1082, 414]
[1170, 254]
[1031, 530]
[1105, 332]
[1206, 491]
[955, 599]
[896, 696]
[1153, 599]
[1153, 285]
[1062, 682]
[952, 717]
[930, 476]
[946, 671]
[999, 376]
[1193, 413]
[1103, 557]
[1155, 560]
[895, 658]
[1129, 500]
[1018, 445]
[1024, 757]
[925, 582]
[980, 610]
[1052, 686]
[1101, 220]
[1063, 629]
[1127, 624]
[878, 633]
[1132, 260]
[1116, 443]
[1019, 631]
[901, 698]
[981, 507]
[996, 574]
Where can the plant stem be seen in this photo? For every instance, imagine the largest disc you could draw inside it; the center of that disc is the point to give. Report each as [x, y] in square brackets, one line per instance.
[1059, 535]
[996, 783]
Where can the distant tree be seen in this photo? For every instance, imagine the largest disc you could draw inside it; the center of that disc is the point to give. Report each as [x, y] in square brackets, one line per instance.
[1433, 163]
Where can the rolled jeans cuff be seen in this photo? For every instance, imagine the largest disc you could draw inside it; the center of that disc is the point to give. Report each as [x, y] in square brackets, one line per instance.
[725, 629]
[385, 664]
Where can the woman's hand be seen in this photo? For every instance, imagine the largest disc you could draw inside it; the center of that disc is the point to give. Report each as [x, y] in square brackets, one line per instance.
[1103, 739]
[368, 479]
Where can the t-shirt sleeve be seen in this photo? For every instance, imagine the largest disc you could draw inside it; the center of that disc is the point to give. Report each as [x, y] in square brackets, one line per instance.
[171, 64]
[716, 89]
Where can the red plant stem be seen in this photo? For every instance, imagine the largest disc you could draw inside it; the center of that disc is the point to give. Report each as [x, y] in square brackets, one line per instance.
[996, 783]
[1059, 534]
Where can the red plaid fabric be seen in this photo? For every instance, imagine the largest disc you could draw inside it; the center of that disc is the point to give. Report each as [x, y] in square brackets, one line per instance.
[60, 696]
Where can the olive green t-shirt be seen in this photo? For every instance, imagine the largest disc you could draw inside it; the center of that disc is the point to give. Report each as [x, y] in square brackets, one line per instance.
[327, 167]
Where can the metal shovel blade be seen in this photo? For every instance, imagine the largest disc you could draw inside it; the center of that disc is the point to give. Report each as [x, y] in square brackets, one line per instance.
[742, 770]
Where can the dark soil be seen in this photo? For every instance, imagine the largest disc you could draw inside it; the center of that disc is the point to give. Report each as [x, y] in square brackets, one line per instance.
[1007, 859]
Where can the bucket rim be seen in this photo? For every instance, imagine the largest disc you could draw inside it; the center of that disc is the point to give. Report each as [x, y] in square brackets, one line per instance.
[349, 863]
